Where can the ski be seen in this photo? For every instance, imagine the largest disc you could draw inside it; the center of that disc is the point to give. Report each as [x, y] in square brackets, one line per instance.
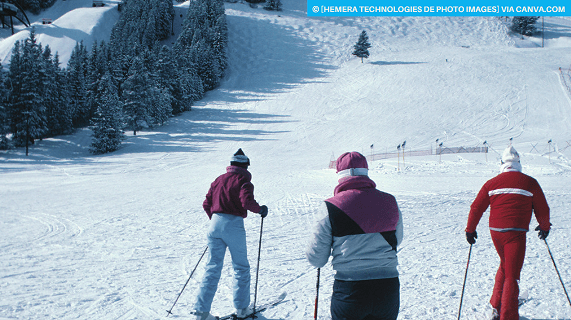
[259, 309]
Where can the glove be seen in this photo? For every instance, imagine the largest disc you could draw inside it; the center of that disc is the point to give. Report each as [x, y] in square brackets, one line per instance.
[542, 234]
[471, 237]
[263, 211]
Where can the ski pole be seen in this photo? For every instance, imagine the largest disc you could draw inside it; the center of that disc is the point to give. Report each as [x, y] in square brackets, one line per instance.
[317, 293]
[464, 285]
[170, 311]
[560, 280]
[258, 267]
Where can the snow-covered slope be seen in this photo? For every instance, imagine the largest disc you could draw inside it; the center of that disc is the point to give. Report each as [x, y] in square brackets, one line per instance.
[73, 21]
[116, 236]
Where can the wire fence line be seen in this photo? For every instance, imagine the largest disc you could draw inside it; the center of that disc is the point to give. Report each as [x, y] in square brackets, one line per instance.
[543, 150]
[418, 153]
[440, 150]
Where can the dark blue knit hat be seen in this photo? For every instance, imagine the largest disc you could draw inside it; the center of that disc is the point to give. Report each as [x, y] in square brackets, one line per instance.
[240, 159]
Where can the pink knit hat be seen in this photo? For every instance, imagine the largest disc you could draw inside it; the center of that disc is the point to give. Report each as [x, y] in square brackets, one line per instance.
[352, 164]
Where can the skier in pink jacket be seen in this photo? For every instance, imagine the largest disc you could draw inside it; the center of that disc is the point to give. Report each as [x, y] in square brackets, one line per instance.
[227, 203]
[361, 228]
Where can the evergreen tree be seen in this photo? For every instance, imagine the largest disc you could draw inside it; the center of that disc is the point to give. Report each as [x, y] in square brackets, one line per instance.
[34, 98]
[163, 15]
[524, 25]
[77, 85]
[59, 115]
[144, 103]
[95, 69]
[161, 98]
[14, 84]
[4, 120]
[142, 22]
[168, 76]
[28, 112]
[134, 97]
[191, 87]
[119, 62]
[275, 5]
[206, 66]
[220, 44]
[107, 124]
[32, 5]
[51, 94]
[202, 44]
[362, 46]
[35, 6]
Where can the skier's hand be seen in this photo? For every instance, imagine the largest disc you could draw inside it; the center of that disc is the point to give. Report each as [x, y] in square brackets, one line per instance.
[471, 237]
[263, 211]
[542, 234]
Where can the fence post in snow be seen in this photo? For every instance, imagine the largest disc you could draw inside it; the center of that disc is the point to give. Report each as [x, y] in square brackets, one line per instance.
[398, 157]
[549, 153]
[403, 164]
[372, 152]
[486, 151]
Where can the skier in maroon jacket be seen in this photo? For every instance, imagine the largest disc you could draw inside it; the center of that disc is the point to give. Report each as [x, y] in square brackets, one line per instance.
[227, 203]
[512, 197]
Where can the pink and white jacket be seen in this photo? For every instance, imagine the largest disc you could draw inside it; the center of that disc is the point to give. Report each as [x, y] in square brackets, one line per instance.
[361, 228]
[231, 193]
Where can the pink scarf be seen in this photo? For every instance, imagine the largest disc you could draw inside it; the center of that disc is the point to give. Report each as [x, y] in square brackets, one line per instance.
[373, 210]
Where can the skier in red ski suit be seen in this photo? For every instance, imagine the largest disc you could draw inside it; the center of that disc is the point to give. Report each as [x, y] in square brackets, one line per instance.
[512, 197]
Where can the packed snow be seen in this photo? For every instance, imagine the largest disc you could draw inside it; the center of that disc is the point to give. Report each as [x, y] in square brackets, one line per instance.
[116, 236]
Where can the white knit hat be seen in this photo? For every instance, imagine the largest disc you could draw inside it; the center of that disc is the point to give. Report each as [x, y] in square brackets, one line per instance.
[510, 155]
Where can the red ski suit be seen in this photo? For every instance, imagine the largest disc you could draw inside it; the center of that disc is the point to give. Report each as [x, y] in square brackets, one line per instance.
[512, 197]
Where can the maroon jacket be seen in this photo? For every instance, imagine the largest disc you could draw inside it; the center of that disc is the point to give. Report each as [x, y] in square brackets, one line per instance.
[512, 196]
[231, 193]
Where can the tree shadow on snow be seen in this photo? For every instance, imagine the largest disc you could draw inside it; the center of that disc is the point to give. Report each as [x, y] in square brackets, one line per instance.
[193, 131]
[266, 57]
[553, 30]
[55, 31]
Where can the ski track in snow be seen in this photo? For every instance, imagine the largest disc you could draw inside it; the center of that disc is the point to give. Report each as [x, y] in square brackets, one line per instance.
[117, 236]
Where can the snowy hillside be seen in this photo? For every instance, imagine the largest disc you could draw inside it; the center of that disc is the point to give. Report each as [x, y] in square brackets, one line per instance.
[116, 236]
[73, 21]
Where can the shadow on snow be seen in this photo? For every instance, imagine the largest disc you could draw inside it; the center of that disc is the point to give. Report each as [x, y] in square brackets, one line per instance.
[267, 58]
[194, 131]
[554, 30]
[189, 132]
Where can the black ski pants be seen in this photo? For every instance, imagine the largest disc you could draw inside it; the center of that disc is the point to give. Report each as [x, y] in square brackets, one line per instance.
[377, 299]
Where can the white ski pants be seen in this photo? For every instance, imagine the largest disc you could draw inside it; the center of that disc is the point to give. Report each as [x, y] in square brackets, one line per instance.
[226, 231]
